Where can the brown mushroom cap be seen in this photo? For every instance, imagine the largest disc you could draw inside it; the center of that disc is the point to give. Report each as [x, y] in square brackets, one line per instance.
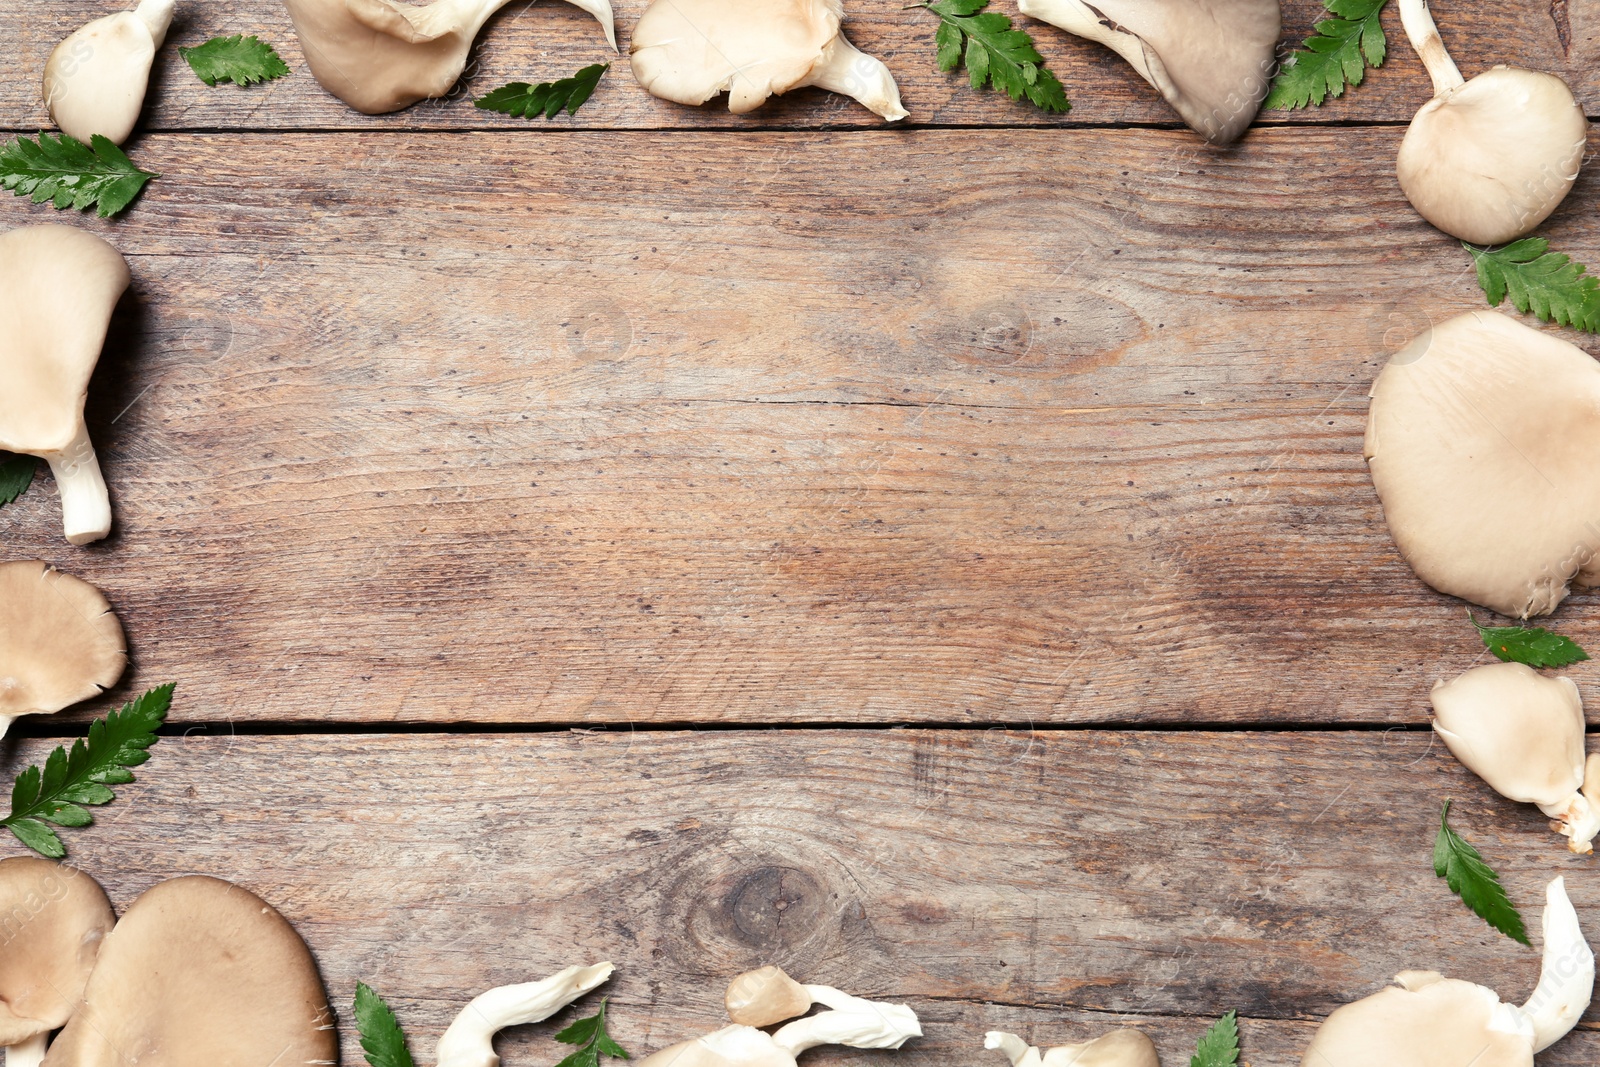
[200, 973]
[1481, 440]
[1426, 1020]
[53, 919]
[1211, 60]
[59, 641]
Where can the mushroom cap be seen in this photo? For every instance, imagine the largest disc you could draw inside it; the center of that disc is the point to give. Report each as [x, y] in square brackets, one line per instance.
[60, 642]
[200, 973]
[58, 288]
[1481, 440]
[1489, 160]
[688, 51]
[1211, 60]
[1424, 1021]
[1518, 730]
[95, 79]
[732, 1046]
[1119, 1048]
[766, 996]
[53, 919]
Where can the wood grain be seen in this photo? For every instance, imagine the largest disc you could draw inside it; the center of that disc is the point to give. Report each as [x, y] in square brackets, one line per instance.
[639, 428]
[549, 40]
[1046, 882]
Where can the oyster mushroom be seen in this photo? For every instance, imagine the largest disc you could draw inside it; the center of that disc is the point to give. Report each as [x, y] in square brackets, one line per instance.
[1119, 1048]
[58, 287]
[1489, 159]
[767, 994]
[688, 51]
[53, 919]
[1211, 60]
[1481, 440]
[95, 80]
[380, 56]
[200, 973]
[1428, 1020]
[1522, 732]
[469, 1042]
[60, 642]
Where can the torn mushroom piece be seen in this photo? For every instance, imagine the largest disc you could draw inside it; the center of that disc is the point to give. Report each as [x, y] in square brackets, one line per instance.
[469, 1042]
[1522, 732]
[53, 919]
[769, 994]
[200, 973]
[1119, 1048]
[58, 287]
[1489, 159]
[1211, 60]
[380, 56]
[1481, 440]
[95, 80]
[60, 642]
[1427, 1020]
[688, 51]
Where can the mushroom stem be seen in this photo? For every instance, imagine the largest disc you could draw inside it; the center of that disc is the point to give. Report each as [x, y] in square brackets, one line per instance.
[468, 16]
[1424, 36]
[1578, 818]
[846, 69]
[469, 1040]
[157, 18]
[1566, 976]
[1078, 18]
[28, 1053]
[853, 1021]
[1015, 1049]
[85, 505]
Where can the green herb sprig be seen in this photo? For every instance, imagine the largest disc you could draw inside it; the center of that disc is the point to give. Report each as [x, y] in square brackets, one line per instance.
[994, 53]
[236, 59]
[523, 101]
[69, 781]
[1220, 1045]
[1548, 284]
[16, 474]
[1533, 645]
[382, 1041]
[1471, 879]
[68, 173]
[1337, 54]
[593, 1041]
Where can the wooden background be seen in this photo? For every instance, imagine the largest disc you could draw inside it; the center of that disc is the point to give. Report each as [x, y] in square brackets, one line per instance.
[936, 558]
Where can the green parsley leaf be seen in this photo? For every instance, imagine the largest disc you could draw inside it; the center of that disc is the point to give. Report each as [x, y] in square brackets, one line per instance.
[236, 59]
[382, 1040]
[591, 1035]
[1332, 56]
[1547, 283]
[523, 101]
[1535, 646]
[16, 474]
[1471, 879]
[994, 53]
[84, 776]
[69, 173]
[1220, 1046]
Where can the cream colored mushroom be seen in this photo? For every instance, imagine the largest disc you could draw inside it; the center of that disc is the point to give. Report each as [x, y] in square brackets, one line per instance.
[688, 51]
[1119, 1048]
[380, 56]
[1481, 441]
[60, 642]
[1523, 733]
[469, 1042]
[95, 80]
[58, 287]
[1427, 1020]
[53, 919]
[1211, 60]
[1489, 159]
[765, 994]
[200, 973]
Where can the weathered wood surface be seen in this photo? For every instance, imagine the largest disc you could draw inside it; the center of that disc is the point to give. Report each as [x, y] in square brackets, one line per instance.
[1047, 882]
[548, 40]
[637, 428]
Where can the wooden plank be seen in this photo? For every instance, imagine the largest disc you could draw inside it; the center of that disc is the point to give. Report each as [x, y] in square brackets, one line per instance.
[548, 40]
[1047, 881]
[636, 428]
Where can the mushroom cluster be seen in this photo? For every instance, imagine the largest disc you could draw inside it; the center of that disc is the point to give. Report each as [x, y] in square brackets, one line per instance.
[198, 972]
